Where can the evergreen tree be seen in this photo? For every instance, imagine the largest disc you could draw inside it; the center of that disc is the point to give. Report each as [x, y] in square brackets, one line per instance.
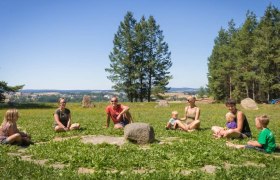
[242, 45]
[267, 54]
[221, 64]
[122, 67]
[140, 59]
[4, 88]
[158, 60]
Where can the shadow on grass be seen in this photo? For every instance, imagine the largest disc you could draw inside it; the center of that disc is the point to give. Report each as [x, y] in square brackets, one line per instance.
[26, 105]
[204, 129]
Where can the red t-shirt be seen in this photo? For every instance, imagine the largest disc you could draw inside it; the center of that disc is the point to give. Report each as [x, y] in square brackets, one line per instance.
[114, 112]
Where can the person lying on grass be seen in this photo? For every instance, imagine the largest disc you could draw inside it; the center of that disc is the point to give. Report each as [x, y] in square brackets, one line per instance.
[191, 120]
[171, 124]
[62, 118]
[118, 113]
[9, 133]
[241, 131]
[266, 141]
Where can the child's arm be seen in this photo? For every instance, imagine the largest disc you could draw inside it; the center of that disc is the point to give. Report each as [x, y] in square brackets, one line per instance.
[254, 143]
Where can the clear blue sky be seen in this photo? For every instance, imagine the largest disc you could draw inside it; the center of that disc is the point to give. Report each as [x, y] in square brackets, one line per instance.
[65, 44]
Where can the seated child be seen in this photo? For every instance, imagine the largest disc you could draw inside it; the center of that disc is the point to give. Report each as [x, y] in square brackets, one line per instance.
[230, 124]
[171, 124]
[266, 141]
[9, 133]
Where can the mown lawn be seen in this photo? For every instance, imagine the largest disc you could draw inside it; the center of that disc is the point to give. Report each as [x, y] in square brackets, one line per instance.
[181, 157]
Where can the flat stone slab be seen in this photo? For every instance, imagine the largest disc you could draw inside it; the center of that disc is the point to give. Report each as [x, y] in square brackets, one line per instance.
[209, 169]
[103, 139]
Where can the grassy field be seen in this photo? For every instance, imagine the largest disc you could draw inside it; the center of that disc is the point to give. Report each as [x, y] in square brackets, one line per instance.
[176, 154]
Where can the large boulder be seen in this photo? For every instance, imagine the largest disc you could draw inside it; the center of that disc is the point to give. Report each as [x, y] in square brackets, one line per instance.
[141, 133]
[249, 103]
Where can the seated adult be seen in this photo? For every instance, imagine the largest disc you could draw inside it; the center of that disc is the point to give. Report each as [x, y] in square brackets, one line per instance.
[62, 118]
[241, 131]
[118, 113]
[191, 120]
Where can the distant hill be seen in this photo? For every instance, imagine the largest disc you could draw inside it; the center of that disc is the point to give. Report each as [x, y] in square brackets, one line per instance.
[62, 91]
[184, 89]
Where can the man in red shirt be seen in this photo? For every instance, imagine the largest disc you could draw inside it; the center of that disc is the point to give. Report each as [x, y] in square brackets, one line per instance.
[118, 113]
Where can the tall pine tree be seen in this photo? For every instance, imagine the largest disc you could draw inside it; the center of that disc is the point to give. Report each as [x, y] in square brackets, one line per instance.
[122, 67]
[140, 59]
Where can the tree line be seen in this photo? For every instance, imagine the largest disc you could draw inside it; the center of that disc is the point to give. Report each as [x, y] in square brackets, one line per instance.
[140, 59]
[245, 60]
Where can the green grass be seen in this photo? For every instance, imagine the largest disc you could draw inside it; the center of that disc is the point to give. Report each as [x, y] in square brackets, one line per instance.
[190, 152]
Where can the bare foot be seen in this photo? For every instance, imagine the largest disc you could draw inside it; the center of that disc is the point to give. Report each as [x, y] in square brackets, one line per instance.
[229, 144]
[191, 130]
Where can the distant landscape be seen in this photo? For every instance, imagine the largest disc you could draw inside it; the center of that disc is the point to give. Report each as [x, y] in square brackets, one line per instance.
[172, 89]
[52, 95]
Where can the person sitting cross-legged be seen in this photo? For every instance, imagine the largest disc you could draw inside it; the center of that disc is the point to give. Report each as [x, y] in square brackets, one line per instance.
[118, 113]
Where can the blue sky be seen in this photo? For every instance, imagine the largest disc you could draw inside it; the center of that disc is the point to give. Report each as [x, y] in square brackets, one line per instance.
[65, 44]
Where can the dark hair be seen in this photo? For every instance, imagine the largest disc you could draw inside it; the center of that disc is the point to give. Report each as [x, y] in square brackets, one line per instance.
[230, 102]
[62, 98]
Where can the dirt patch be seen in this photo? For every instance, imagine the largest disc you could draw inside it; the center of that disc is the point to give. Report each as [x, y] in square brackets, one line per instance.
[186, 172]
[103, 139]
[209, 169]
[58, 166]
[145, 147]
[205, 101]
[169, 140]
[228, 166]
[248, 163]
[82, 170]
[58, 139]
[142, 171]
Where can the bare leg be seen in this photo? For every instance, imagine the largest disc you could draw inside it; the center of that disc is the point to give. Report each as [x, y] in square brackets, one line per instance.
[59, 129]
[181, 125]
[233, 134]
[216, 129]
[128, 116]
[194, 125]
[237, 146]
[75, 126]
[168, 126]
[118, 126]
[14, 138]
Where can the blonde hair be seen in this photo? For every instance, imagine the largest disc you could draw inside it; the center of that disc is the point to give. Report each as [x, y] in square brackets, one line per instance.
[229, 116]
[263, 119]
[11, 116]
[191, 98]
[174, 112]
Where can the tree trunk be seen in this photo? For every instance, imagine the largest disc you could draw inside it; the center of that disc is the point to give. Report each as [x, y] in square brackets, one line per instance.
[253, 89]
[247, 90]
[230, 89]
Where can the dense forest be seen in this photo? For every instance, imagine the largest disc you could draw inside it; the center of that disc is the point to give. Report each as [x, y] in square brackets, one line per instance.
[245, 60]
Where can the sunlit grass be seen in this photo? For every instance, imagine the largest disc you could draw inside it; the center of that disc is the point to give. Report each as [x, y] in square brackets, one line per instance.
[190, 151]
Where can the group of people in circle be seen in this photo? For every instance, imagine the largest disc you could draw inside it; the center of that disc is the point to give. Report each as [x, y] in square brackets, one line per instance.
[237, 125]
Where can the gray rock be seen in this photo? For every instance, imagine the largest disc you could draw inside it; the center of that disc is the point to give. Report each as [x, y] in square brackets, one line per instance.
[141, 133]
[249, 104]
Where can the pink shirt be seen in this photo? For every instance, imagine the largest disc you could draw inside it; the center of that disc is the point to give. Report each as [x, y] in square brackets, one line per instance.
[114, 112]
